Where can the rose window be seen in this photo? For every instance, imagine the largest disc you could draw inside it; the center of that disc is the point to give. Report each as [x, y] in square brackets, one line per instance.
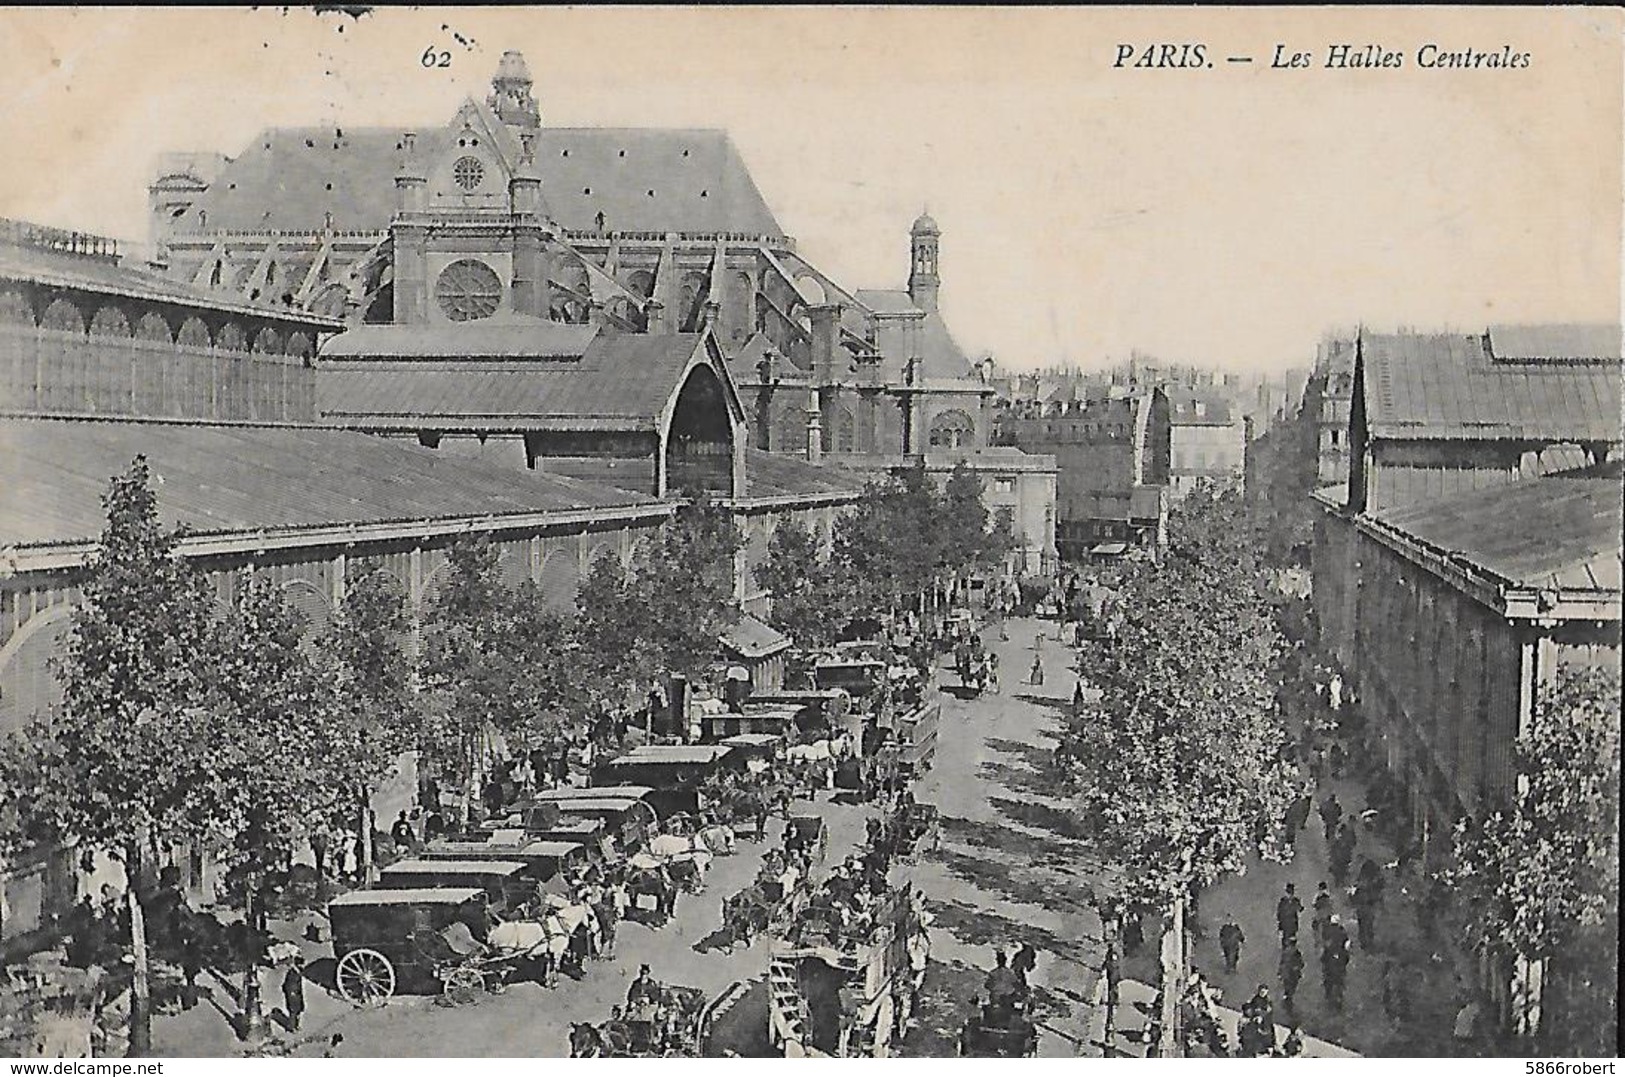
[468, 172]
[467, 290]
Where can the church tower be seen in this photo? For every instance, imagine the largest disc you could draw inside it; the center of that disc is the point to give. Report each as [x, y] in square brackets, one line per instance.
[510, 93]
[923, 281]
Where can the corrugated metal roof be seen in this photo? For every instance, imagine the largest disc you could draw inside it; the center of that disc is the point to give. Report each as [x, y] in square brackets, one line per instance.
[217, 479]
[620, 792]
[291, 179]
[1450, 386]
[629, 377]
[1557, 531]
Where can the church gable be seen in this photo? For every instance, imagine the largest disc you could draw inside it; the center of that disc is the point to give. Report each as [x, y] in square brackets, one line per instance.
[473, 166]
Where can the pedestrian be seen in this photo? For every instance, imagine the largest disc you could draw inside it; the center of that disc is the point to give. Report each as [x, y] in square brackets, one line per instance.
[1342, 853]
[1025, 961]
[293, 993]
[1334, 962]
[1365, 914]
[1296, 816]
[1291, 974]
[1286, 915]
[402, 834]
[1323, 910]
[1133, 934]
[333, 1045]
[1230, 940]
[1036, 675]
[1330, 813]
[1292, 1047]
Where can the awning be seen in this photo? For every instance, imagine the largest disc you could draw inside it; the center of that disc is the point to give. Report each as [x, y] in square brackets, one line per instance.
[753, 639]
[1109, 549]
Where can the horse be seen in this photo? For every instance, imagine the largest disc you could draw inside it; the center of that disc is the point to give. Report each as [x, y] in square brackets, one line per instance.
[716, 838]
[746, 915]
[586, 1041]
[686, 857]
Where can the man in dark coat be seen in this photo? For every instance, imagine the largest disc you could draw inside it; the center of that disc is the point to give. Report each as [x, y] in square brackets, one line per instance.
[1286, 914]
[293, 993]
[1291, 974]
[1230, 940]
[1331, 812]
[1004, 986]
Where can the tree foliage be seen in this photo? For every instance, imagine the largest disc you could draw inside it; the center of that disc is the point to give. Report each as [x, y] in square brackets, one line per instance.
[1180, 769]
[810, 602]
[684, 586]
[1540, 878]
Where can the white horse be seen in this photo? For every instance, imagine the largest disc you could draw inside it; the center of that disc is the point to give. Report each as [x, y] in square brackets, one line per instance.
[677, 849]
[717, 839]
[548, 940]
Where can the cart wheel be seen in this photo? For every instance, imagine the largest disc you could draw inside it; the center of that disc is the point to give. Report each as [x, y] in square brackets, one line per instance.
[462, 982]
[365, 976]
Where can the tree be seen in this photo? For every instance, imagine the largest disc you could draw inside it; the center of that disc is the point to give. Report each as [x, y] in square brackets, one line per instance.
[685, 586]
[121, 764]
[362, 655]
[465, 664]
[809, 605]
[1180, 768]
[1539, 879]
[612, 650]
[273, 758]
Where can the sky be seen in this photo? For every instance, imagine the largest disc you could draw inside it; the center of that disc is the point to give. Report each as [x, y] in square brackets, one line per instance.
[1224, 215]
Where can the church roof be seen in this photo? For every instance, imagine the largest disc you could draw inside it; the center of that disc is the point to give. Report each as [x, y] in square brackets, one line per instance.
[393, 376]
[222, 479]
[1456, 385]
[641, 179]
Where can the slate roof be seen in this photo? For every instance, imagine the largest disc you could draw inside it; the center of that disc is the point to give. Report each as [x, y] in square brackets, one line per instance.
[22, 262]
[223, 480]
[290, 178]
[1556, 532]
[1452, 386]
[519, 372]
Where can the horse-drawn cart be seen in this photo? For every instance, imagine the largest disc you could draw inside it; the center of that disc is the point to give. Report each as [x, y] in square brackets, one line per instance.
[389, 941]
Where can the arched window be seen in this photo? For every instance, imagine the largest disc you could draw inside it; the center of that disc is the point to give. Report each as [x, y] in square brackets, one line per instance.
[641, 283]
[14, 310]
[156, 366]
[111, 370]
[64, 356]
[689, 302]
[952, 430]
[845, 432]
[621, 308]
[19, 347]
[229, 402]
[558, 582]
